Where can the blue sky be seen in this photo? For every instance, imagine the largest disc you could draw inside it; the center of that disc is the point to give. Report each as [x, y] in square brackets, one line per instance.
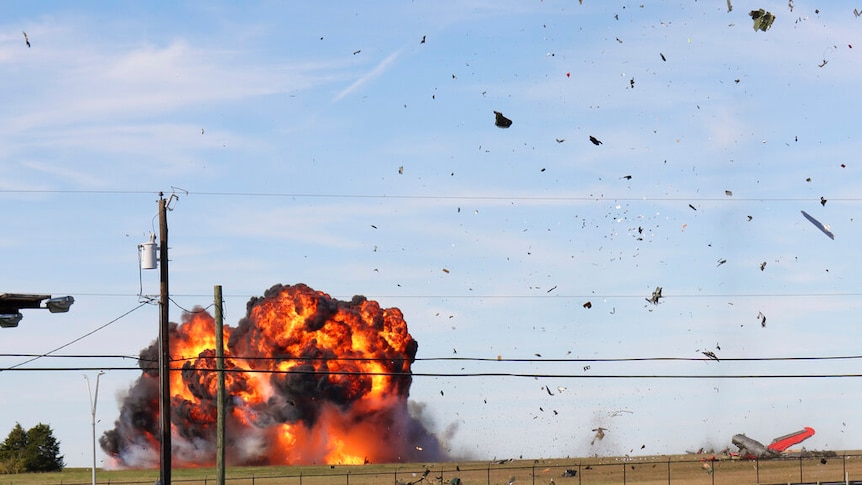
[324, 144]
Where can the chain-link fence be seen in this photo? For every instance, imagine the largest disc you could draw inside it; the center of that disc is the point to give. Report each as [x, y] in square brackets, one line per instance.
[701, 470]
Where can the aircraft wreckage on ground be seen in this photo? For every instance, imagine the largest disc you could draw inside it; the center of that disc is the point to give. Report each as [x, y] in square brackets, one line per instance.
[752, 449]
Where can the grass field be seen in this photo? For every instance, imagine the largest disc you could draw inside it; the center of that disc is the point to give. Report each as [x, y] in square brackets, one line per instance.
[654, 470]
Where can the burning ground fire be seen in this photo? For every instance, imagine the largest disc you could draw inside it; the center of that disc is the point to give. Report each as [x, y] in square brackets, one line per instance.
[310, 379]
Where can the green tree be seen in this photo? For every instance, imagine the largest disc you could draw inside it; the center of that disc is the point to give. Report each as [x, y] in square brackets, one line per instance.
[34, 450]
[43, 450]
[12, 451]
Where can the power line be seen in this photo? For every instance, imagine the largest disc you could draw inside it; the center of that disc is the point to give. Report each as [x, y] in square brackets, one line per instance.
[433, 197]
[39, 356]
[283, 358]
[460, 374]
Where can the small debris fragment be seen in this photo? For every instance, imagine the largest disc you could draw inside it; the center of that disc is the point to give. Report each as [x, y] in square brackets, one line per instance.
[762, 19]
[595, 140]
[762, 318]
[357, 51]
[762, 266]
[588, 305]
[501, 121]
[720, 262]
[823, 228]
[656, 295]
[26, 39]
[692, 207]
[600, 434]
[728, 193]
[560, 140]
[662, 57]
[445, 270]
[822, 201]
[729, 7]
[423, 40]
[710, 354]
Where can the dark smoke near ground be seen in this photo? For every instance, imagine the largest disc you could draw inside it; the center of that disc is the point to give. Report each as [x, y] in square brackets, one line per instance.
[311, 380]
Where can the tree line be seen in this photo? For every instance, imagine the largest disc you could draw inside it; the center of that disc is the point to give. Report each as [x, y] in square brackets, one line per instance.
[32, 450]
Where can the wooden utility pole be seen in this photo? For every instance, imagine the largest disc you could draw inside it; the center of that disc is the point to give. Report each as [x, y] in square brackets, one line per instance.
[220, 408]
[164, 349]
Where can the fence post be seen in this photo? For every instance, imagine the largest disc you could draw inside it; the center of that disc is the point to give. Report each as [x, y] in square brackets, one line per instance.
[624, 472]
[348, 477]
[534, 474]
[668, 470]
[800, 468]
[757, 469]
[489, 473]
[580, 475]
[395, 477]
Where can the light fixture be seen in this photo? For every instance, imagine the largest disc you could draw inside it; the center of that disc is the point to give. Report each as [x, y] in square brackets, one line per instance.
[59, 304]
[11, 305]
[10, 320]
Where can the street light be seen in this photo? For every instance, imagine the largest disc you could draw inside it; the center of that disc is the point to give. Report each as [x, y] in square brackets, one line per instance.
[94, 399]
[12, 303]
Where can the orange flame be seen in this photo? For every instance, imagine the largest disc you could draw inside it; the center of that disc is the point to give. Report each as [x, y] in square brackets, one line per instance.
[310, 379]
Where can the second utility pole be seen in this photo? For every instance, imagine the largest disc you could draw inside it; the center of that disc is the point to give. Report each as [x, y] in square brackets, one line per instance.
[164, 349]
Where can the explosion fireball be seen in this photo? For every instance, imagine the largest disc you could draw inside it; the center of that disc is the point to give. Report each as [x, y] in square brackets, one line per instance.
[309, 379]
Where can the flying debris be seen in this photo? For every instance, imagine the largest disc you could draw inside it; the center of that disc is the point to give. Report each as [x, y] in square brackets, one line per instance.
[857, 12]
[600, 434]
[824, 228]
[26, 39]
[561, 389]
[728, 193]
[762, 19]
[357, 51]
[549, 391]
[762, 318]
[720, 262]
[729, 7]
[501, 121]
[662, 57]
[560, 140]
[656, 295]
[423, 40]
[692, 207]
[627, 177]
[763, 266]
[823, 201]
[595, 140]
[588, 305]
[710, 354]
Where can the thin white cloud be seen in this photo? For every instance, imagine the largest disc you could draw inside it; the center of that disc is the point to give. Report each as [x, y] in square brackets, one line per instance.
[371, 75]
